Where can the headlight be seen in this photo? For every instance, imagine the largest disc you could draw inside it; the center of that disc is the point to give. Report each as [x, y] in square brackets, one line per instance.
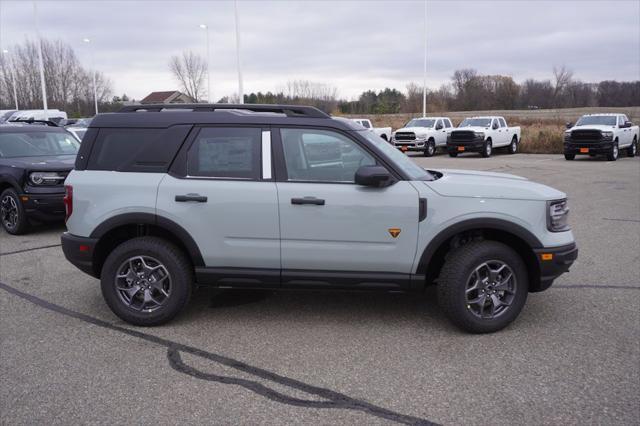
[479, 134]
[46, 178]
[558, 216]
[607, 135]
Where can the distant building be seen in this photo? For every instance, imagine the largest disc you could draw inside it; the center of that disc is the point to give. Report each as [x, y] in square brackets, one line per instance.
[170, 97]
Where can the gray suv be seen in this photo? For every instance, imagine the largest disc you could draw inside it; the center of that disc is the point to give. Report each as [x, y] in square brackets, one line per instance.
[164, 197]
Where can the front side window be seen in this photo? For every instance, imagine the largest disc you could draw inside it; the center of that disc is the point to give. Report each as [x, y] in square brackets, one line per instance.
[37, 144]
[439, 125]
[322, 156]
[223, 152]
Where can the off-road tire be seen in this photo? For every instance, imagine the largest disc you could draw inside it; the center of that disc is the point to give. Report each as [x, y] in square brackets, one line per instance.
[176, 263]
[21, 225]
[455, 273]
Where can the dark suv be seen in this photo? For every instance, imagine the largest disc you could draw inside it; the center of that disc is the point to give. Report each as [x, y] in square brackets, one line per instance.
[34, 162]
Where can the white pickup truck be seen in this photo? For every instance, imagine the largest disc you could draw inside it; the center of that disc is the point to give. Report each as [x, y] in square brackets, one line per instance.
[424, 134]
[383, 132]
[606, 134]
[483, 134]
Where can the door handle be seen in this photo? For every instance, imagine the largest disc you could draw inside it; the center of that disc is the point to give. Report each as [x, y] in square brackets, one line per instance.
[191, 197]
[308, 200]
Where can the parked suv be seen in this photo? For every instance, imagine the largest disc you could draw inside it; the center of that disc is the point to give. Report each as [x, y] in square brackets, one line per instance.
[34, 162]
[285, 197]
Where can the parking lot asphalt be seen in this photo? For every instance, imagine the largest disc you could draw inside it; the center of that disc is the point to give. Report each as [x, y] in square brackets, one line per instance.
[573, 355]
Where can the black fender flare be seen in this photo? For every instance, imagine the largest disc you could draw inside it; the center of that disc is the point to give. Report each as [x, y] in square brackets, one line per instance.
[473, 224]
[11, 181]
[155, 220]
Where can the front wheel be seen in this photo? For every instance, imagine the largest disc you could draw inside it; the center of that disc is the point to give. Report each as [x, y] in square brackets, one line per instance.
[453, 154]
[612, 155]
[633, 149]
[487, 149]
[483, 286]
[569, 157]
[430, 148]
[146, 281]
[12, 214]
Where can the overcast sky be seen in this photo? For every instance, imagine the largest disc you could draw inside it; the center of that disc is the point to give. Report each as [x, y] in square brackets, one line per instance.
[351, 45]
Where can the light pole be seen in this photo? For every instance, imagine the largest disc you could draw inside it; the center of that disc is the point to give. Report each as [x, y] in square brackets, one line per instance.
[240, 89]
[40, 63]
[13, 81]
[424, 71]
[93, 74]
[206, 28]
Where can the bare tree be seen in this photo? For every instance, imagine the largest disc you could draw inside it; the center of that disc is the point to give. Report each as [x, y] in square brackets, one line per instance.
[562, 78]
[190, 71]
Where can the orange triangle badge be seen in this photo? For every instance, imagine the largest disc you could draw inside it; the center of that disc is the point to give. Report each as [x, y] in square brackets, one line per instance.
[394, 232]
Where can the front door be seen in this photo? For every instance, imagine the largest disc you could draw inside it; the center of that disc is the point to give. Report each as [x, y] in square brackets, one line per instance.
[330, 224]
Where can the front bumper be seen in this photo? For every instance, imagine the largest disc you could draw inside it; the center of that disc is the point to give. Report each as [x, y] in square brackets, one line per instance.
[473, 146]
[552, 263]
[44, 207]
[414, 145]
[79, 251]
[588, 147]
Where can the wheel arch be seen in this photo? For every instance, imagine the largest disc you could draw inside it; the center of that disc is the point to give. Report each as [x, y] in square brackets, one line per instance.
[121, 228]
[515, 236]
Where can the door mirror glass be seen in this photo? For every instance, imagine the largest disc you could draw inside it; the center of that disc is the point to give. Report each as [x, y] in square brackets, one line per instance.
[375, 176]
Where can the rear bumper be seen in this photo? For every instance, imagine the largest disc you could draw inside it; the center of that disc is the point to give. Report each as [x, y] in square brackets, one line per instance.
[44, 207]
[593, 147]
[552, 263]
[79, 251]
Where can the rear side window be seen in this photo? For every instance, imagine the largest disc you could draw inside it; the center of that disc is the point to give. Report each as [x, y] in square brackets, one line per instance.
[114, 147]
[502, 122]
[447, 123]
[224, 152]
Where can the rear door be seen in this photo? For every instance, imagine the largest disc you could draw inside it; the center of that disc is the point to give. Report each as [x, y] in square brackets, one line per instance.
[222, 193]
[441, 133]
[330, 224]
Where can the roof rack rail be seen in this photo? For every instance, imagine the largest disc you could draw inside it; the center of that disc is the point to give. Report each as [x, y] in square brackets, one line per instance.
[288, 110]
[31, 121]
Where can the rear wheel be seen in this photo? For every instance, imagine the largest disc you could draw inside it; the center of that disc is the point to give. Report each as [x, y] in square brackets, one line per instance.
[12, 214]
[569, 157]
[146, 281]
[633, 149]
[430, 148]
[487, 149]
[453, 154]
[513, 146]
[612, 155]
[483, 286]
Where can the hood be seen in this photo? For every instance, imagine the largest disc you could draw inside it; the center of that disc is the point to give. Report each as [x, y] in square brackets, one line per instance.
[416, 130]
[473, 129]
[467, 183]
[45, 163]
[594, 127]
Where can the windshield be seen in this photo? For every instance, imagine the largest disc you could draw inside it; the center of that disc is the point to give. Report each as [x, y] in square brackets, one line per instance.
[420, 122]
[475, 122]
[403, 162]
[605, 120]
[37, 144]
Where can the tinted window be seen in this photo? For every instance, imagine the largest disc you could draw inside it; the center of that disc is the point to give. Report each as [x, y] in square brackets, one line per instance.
[115, 147]
[36, 144]
[322, 156]
[365, 124]
[226, 153]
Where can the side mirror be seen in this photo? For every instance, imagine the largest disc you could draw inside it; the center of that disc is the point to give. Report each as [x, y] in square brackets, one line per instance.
[628, 124]
[375, 176]
[495, 126]
[439, 127]
[569, 125]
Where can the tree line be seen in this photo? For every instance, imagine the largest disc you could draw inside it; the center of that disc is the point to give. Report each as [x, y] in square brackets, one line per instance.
[69, 84]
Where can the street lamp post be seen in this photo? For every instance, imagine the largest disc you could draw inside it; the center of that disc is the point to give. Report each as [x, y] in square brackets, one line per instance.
[13, 82]
[424, 70]
[209, 99]
[240, 88]
[43, 84]
[93, 74]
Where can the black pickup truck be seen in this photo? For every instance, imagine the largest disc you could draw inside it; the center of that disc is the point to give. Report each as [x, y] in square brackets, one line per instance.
[35, 159]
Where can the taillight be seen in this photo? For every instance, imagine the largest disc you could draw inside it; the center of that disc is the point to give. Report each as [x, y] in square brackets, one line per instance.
[68, 201]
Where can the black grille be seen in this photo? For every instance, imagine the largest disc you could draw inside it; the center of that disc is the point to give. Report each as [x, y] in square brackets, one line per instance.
[586, 135]
[462, 136]
[405, 136]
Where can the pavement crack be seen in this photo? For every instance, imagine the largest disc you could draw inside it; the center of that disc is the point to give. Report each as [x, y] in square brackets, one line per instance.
[332, 399]
[29, 249]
